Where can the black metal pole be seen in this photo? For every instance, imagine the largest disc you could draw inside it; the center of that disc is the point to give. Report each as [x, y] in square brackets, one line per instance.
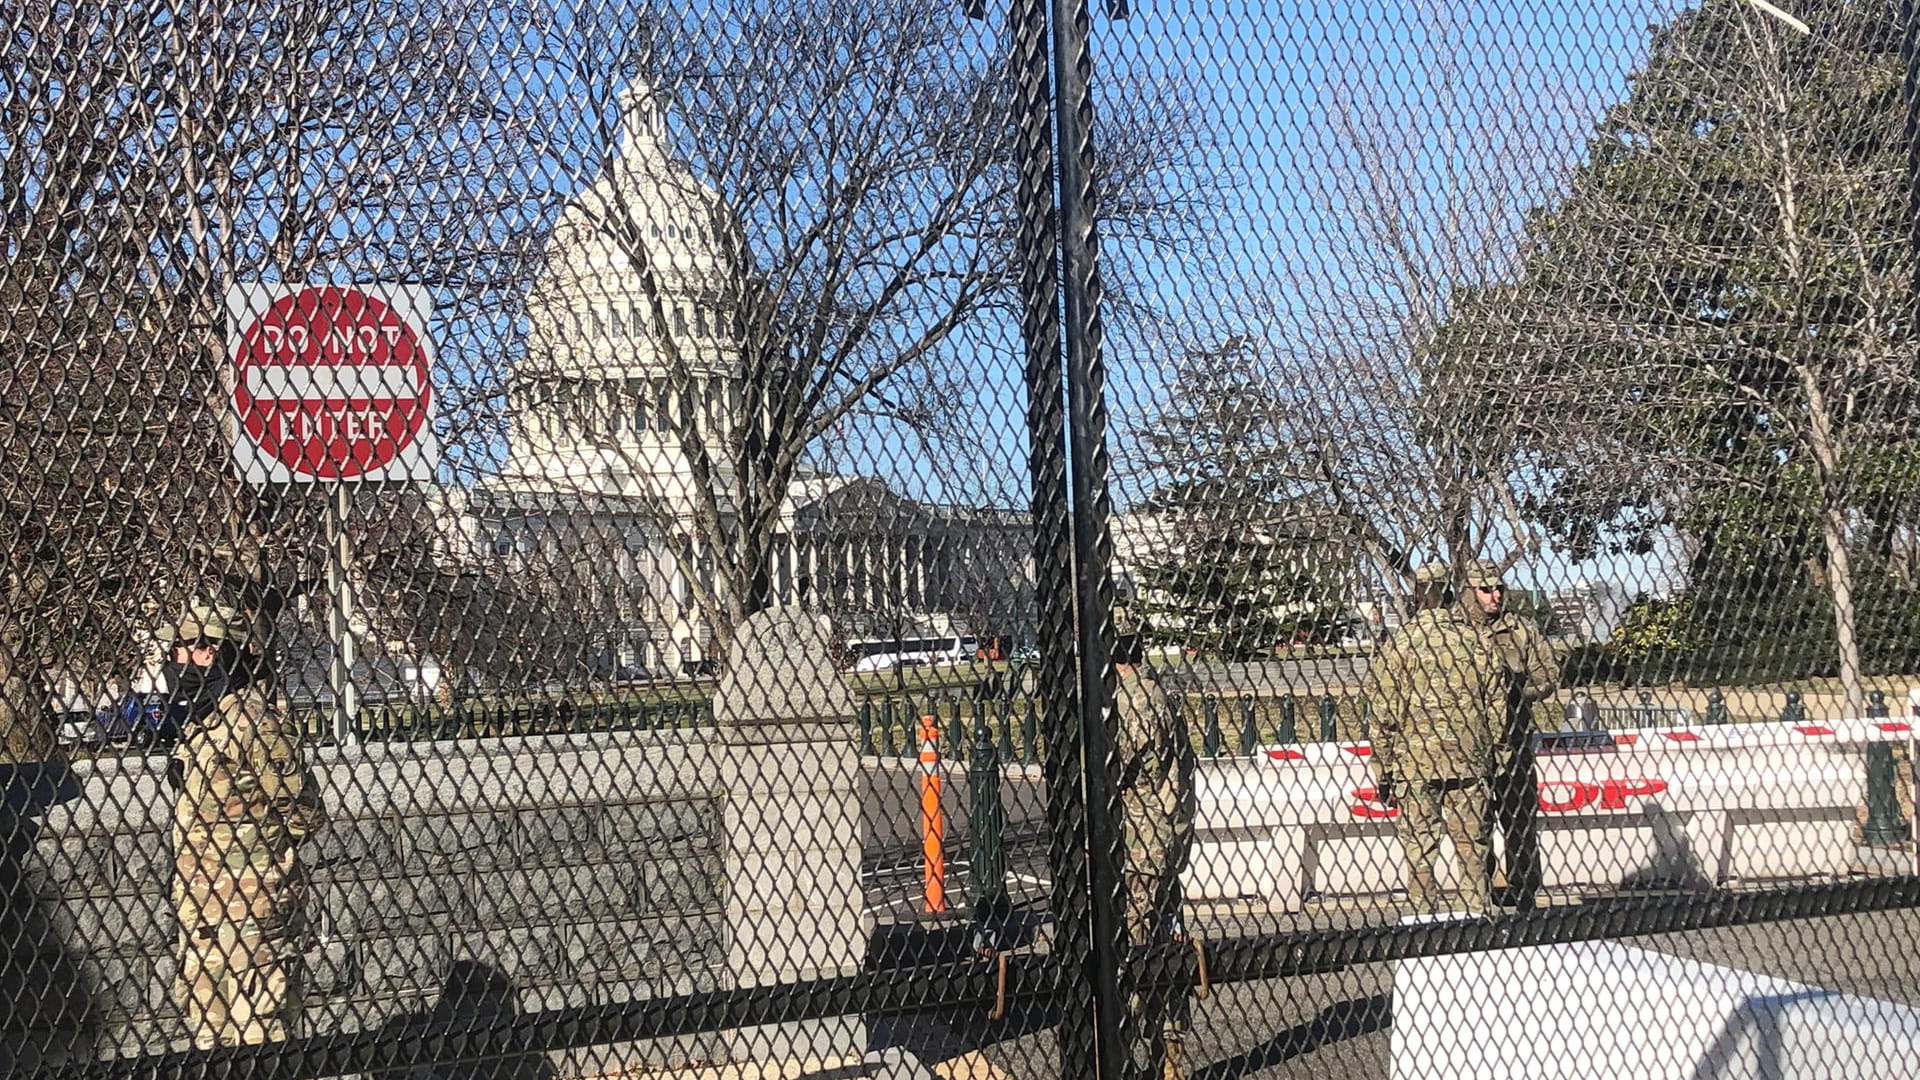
[989, 869]
[1037, 251]
[1092, 505]
[1910, 94]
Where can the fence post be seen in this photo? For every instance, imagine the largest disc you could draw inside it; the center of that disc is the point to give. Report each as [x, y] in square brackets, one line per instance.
[1716, 708]
[1210, 739]
[1003, 715]
[886, 726]
[1795, 710]
[1030, 734]
[1249, 730]
[1883, 827]
[1329, 726]
[1289, 730]
[989, 860]
[866, 729]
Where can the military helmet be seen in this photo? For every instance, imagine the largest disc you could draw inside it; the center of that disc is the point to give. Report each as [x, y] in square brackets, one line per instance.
[1484, 574]
[205, 620]
[1432, 573]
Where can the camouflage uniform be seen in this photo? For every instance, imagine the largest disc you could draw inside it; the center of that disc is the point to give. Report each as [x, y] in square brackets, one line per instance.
[1156, 808]
[1435, 692]
[26, 738]
[1530, 673]
[245, 800]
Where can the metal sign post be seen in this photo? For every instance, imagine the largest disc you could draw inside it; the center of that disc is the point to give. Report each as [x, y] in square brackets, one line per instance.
[333, 385]
[346, 696]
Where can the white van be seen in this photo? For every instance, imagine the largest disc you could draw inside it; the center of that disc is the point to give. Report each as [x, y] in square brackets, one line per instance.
[892, 653]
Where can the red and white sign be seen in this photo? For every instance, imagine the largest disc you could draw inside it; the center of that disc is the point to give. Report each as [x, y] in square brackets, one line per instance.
[331, 383]
[1556, 796]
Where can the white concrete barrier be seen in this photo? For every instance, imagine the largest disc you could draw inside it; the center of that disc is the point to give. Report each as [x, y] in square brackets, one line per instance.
[1595, 1010]
[1651, 806]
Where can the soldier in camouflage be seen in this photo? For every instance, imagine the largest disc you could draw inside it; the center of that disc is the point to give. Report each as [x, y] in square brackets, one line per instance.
[1435, 692]
[1529, 673]
[243, 802]
[1156, 809]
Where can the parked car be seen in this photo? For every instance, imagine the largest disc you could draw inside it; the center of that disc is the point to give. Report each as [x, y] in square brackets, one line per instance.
[138, 721]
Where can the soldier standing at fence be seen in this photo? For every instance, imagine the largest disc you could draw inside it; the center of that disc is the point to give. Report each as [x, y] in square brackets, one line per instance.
[1156, 807]
[243, 802]
[1436, 695]
[1530, 674]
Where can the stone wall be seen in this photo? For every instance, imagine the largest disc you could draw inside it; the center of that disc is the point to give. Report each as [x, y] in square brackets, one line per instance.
[510, 874]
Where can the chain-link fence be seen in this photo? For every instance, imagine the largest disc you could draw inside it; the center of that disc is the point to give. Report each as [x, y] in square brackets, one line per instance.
[591, 538]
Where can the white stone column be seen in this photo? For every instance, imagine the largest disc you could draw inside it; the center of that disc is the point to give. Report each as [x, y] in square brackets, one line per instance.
[894, 553]
[917, 569]
[789, 767]
[784, 590]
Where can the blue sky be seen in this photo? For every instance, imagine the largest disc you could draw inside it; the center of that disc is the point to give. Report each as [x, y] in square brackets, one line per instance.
[1482, 107]
[1477, 110]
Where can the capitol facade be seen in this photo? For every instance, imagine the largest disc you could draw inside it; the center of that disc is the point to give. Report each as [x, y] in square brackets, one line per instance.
[598, 499]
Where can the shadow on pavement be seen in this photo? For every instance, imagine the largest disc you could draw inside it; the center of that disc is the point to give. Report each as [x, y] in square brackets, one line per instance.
[48, 1009]
[475, 994]
[939, 1034]
[1337, 1022]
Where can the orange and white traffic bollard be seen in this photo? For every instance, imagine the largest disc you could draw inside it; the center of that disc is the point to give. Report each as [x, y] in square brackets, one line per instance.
[932, 823]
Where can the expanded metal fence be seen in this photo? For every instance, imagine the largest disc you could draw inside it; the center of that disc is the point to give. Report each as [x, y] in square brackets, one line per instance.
[591, 538]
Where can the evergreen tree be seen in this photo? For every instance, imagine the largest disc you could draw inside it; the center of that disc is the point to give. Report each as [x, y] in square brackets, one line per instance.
[1236, 565]
[1711, 330]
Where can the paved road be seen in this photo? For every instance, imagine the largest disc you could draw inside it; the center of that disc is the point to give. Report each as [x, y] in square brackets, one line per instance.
[1322, 1027]
[1338, 1026]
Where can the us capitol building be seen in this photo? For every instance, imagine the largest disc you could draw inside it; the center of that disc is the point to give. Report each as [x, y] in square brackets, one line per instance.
[596, 489]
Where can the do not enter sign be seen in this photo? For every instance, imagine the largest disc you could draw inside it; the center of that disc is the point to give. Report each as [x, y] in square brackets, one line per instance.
[331, 383]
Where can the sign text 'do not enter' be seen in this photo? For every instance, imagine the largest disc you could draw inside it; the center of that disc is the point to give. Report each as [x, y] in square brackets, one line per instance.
[332, 383]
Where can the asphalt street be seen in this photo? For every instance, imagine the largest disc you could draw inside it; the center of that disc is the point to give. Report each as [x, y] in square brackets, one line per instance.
[1339, 1025]
[1316, 1027]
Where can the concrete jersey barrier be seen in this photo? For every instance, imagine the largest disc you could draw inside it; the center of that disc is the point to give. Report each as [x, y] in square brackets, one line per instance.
[1636, 807]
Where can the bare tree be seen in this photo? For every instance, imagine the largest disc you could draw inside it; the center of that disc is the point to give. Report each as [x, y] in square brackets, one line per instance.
[853, 170]
[301, 141]
[1722, 300]
[1372, 427]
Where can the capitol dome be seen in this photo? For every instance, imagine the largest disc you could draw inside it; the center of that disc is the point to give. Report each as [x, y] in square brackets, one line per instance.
[632, 349]
[596, 395]
[590, 306]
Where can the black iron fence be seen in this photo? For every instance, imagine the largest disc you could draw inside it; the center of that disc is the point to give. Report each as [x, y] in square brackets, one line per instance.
[565, 538]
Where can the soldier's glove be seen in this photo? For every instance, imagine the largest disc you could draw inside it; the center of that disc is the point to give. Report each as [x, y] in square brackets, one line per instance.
[176, 773]
[1175, 928]
[1384, 793]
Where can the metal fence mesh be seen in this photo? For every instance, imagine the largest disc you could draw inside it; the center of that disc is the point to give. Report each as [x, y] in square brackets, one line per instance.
[565, 538]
